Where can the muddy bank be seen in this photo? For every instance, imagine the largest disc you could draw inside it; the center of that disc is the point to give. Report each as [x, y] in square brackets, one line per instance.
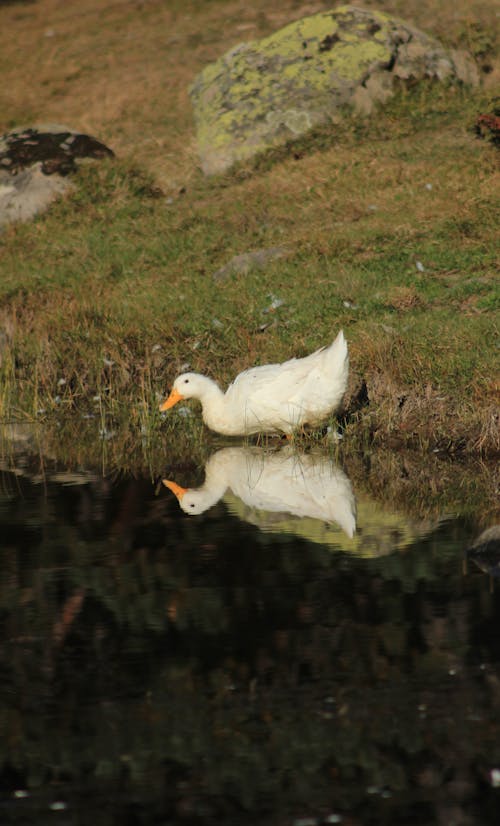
[399, 417]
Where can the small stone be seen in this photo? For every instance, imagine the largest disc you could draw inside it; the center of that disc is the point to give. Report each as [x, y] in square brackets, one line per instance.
[58, 806]
[244, 263]
[420, 267]
[275, 304]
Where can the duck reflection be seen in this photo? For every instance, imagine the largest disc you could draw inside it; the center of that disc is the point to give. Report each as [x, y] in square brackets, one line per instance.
[279, 482]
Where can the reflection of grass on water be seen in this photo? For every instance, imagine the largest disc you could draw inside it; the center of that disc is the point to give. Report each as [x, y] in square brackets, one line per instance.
[379, 530]
[421, 485]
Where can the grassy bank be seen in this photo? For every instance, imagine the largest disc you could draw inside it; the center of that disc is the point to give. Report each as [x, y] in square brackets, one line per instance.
[391, 227]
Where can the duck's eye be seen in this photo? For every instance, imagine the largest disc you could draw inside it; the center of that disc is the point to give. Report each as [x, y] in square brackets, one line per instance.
[192, 505]
[186, 381]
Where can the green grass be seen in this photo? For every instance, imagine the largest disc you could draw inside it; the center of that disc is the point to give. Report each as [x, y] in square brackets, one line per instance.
[392, 229]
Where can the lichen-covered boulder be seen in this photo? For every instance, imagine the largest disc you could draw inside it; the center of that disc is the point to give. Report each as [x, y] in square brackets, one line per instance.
[264, 93]
[34, 166]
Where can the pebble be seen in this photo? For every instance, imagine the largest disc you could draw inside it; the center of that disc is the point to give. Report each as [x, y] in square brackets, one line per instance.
[58, 806]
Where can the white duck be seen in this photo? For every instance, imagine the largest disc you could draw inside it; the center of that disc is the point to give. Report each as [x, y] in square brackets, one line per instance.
[284, 481]
[273, 398]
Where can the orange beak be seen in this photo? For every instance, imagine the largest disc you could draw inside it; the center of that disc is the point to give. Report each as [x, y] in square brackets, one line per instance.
[174, 397]
[175, 488]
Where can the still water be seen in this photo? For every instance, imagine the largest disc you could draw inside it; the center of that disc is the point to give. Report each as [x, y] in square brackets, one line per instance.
[266, 646]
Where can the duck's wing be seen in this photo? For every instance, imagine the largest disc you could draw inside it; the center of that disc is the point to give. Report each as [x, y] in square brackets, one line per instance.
[284, 379]
[266, 393]
[298, 390]
[325, 380]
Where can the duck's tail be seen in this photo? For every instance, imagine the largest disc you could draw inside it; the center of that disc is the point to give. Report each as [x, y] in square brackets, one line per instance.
[339, 347]
[338, 357]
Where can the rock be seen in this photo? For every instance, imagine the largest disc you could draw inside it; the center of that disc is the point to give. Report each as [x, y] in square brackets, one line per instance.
[248, 261]
[29, 192]
[485, 551]
[34, 165]
[264, 93]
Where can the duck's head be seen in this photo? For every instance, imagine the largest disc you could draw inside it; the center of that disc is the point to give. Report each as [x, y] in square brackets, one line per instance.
[192, 501]
[186, 386]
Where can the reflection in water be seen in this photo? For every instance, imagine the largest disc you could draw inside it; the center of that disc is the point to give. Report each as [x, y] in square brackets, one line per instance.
[160, 669]
[304, 494]
[282, 482]
[485, 551]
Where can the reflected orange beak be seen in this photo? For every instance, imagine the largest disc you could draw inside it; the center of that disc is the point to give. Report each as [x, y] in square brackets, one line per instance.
[175, 488]
[174, 397]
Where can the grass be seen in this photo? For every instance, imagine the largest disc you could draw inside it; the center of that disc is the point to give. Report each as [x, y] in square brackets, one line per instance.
[391, 225]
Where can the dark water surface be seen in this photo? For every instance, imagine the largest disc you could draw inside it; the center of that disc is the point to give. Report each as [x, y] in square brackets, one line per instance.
[245, 664]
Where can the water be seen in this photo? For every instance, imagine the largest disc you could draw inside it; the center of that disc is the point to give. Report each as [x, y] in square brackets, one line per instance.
[256, 662]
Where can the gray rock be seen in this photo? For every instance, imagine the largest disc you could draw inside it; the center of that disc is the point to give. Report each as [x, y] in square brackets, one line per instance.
[29, 192]
[265, 93]
[34, 165]
[248, 261]
[485, 551]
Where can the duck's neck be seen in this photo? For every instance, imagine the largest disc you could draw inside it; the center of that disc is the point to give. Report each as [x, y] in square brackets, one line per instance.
[213, 402]
[215, 484]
